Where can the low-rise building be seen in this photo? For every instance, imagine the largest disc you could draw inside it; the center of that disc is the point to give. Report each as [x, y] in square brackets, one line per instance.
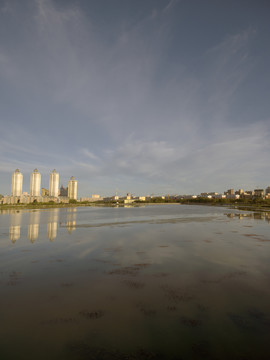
[233, 196]
[44, 192]
[259, 193]
[229, 192]
[128, 199]
[93, 198]
[63, 191]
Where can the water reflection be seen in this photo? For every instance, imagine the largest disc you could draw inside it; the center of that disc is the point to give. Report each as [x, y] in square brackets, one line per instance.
[15, 225]
[33, 227]
[191, 279]
[262, 215]
[52, 224]
[71, 219]
[34, 222]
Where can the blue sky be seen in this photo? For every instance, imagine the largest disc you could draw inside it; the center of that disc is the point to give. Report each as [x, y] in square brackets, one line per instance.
[145, 96]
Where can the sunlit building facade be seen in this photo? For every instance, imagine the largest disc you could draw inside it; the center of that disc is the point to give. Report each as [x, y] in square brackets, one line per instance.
[17, 183]
[35, 182]
[54, 184]
[72, 188]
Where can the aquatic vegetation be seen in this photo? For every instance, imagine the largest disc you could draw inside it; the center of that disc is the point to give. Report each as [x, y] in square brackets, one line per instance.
[257, 237]
[161, 274]
[177, 294]
[82, 351]
[60, 321]
[56, 260]
[126, 270]
[92, 315]
[228, 276]
[66, 285]
[102, 261]
[191, 322]
[148, 312]
[260, 317]
[201, 307]
[240, 321]
[143, 265]
[113, 249]
[251, 235]
[256, 314]
[201, 349]
[133, 284]
[14, 278]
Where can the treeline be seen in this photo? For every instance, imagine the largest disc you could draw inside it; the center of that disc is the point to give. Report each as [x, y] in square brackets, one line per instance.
[156, 200]
[200, 200]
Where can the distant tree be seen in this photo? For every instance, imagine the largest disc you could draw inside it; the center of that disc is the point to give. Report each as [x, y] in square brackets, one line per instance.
[73, 201]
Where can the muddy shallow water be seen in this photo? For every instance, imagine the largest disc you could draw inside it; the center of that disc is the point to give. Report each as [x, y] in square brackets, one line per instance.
[154, 282]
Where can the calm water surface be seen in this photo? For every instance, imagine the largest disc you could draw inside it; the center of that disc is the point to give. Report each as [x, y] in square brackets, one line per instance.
[154, 282]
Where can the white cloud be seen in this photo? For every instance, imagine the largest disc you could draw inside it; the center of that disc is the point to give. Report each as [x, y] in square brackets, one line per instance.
[88, 154]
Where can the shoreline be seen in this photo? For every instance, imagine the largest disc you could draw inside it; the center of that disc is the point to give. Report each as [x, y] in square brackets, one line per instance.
[239, 206]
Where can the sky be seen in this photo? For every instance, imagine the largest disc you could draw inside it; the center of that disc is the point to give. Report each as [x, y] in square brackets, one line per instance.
[140, 96]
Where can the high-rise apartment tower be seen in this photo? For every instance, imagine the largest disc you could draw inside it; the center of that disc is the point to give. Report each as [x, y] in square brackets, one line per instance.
[54, 184]
[35, 181]
[17, 181]
[72, 188]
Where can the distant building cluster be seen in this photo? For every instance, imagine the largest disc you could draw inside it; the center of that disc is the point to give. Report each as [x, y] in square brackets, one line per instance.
[36, 194]
[239, 194]
[229, 194]
[65, 194]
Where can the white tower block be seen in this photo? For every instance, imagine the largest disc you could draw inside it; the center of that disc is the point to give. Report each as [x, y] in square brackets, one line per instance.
[54, 184]
[17, 182]
[72, 188]
[35, 181]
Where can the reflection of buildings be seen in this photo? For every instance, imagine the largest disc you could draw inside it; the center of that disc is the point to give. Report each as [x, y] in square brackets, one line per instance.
[33, 227]
[15, 225]
[52, 224]
[262, 215]
[71, 219]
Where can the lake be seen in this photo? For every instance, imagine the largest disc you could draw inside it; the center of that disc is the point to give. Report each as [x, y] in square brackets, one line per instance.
[154, 282]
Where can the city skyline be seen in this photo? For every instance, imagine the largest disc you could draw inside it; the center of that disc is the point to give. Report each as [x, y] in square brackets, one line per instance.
[163, 96]
[55, 192]
[37, 193]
